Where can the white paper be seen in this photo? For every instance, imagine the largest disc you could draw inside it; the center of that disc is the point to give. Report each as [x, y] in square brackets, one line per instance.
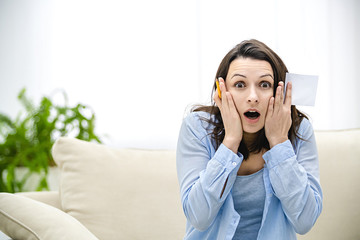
[303, 88]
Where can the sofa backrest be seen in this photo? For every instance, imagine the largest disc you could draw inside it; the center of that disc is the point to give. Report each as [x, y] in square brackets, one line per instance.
[120, 194]
[134, 194]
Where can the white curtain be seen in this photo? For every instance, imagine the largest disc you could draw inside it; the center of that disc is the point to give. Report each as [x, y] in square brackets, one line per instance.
[312, 37]
[140, 64]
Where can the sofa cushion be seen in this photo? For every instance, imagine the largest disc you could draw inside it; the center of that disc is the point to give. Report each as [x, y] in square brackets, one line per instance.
[339, 158]
[24, 218]
[120, 193]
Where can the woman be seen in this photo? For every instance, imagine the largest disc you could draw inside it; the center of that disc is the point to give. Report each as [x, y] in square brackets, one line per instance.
[248, 165]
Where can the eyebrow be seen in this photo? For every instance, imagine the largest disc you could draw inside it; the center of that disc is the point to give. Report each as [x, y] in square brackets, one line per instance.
[267, 75]
[240, 75]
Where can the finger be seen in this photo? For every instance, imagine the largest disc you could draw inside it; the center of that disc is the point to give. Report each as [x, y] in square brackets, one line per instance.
[222, 82]
[277, 100]
[281, 83]
[270, 107]
[223, 91]
[288, 95]
[231, 103]
[217, 100]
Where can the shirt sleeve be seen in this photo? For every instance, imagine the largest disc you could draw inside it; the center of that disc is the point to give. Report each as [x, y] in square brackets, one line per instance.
[295, 178]
[202, 177]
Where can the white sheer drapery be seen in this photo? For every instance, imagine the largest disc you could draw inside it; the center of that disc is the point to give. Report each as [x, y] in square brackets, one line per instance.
[139, 64]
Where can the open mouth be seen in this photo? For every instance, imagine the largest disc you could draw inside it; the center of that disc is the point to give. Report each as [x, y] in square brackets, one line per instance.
[252, 114]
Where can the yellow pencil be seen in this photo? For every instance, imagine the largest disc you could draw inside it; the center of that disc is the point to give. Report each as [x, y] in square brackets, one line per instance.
[218, 88]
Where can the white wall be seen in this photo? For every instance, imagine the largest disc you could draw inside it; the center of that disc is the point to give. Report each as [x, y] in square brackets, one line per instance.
[139, 64]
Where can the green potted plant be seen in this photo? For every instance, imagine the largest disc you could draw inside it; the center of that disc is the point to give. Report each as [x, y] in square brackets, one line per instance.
[27, 140]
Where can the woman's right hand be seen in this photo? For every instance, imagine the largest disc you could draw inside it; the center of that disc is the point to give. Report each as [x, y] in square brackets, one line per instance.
[231, 118]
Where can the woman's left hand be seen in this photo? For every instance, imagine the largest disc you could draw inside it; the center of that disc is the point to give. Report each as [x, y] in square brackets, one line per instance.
[278, 118]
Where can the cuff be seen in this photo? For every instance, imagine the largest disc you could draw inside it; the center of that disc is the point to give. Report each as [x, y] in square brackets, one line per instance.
[227, 158]
[278, 154]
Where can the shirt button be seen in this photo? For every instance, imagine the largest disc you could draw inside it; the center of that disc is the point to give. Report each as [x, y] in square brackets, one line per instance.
[234, 163]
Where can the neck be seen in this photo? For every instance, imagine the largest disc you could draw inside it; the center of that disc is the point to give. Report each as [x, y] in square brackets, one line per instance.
[249, 138]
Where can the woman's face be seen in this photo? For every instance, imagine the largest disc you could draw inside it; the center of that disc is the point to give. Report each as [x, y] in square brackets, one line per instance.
[251, 84]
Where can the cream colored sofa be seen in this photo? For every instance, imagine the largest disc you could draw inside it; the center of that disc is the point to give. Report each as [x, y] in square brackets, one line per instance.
[133, 194]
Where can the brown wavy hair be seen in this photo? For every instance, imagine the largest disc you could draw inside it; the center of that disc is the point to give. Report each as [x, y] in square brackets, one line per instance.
[253, 49]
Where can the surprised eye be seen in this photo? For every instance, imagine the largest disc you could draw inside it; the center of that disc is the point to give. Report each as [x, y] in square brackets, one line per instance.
[265, 84]
[240, 84]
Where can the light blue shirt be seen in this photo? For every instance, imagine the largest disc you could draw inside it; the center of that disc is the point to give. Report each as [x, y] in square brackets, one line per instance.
[249, 197]
[291, 178]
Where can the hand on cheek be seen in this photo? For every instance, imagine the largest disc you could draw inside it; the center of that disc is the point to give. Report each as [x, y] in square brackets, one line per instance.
[230, 117]
[278, 118]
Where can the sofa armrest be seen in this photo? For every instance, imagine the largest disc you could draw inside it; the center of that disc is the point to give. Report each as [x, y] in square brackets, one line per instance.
[51, 198]
[25, 218]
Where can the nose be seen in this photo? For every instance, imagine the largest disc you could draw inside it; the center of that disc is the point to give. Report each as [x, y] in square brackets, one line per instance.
[252, 96]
